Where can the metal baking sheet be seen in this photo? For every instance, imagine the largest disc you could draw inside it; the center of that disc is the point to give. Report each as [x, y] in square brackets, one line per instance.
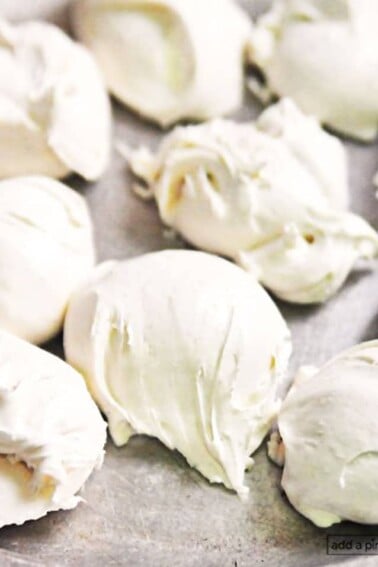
[146, 507]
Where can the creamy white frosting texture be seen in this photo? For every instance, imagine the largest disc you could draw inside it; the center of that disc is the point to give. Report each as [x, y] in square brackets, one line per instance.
[51, 433]
[271, 195]
[54, 111]
[185, 347]
[329, 428]
[171, 59]
[323, 54]
[46, 250]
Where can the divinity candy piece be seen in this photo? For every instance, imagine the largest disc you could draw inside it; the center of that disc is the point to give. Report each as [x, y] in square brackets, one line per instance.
[54, 111]
[168, 59]
[185, 347]
[46, 251]
[323, 54]
[329, 429]
[271, 195]
[51, 433]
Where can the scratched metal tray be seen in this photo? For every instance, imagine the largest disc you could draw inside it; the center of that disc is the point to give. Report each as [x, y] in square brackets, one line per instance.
[146, 507]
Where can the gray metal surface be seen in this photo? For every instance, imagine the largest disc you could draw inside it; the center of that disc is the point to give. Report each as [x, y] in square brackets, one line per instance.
[146, 506]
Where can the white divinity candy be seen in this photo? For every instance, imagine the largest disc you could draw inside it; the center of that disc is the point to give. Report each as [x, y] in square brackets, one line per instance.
[329, 429]
[168, 59]
[268, 194]
[323, 54]
[185, 347]
[46, 251]
[54, 110]
[51, 433]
